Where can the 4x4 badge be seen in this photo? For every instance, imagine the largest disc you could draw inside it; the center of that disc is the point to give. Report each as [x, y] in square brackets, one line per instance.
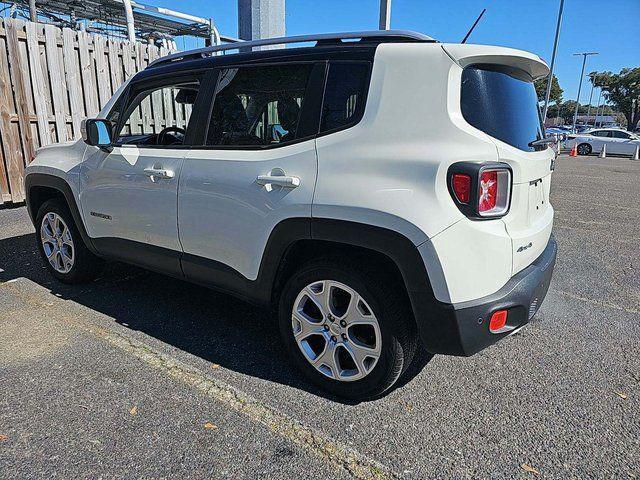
[524, 247]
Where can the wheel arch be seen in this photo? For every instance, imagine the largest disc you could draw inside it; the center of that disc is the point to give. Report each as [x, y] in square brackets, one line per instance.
[296, 240]
[305, 250]
[395, 252]
[40, 187]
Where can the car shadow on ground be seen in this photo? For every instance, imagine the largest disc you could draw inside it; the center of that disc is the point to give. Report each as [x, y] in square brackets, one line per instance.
[211, 325]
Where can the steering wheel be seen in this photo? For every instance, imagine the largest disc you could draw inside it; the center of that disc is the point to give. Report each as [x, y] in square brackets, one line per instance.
[165, 133]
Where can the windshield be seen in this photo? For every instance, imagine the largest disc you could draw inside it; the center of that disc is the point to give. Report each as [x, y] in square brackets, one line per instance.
[502, 102]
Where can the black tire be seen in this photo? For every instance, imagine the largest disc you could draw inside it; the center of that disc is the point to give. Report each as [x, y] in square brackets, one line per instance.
[584, 149]
[391, 308]
[86, 266]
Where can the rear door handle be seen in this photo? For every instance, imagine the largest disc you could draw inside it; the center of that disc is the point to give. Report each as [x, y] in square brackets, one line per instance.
[278, 180]
[159, 173]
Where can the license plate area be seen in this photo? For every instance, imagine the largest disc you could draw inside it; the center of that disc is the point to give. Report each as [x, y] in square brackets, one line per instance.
[536, 200]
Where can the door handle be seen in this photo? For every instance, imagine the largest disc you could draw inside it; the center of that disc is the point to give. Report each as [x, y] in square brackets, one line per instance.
[159, 173]
[278, 180]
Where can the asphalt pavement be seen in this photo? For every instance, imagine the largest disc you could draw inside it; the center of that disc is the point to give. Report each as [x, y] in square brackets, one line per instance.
[140, 375]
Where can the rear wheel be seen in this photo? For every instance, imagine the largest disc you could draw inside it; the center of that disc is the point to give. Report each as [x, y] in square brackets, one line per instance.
[347, 330]
[61, 246]
[584, 149]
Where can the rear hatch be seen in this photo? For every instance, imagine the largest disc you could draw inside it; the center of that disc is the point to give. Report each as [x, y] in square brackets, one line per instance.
[498, 99]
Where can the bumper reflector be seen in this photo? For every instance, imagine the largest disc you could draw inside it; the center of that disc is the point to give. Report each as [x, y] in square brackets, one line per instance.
[498, 322]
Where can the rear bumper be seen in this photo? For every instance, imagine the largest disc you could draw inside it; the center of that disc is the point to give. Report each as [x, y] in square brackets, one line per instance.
[463, 328]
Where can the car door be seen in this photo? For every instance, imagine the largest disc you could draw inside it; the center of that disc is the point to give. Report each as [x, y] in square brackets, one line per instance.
[597, 139]
[623, 143]
[129, 191]
[256, 168]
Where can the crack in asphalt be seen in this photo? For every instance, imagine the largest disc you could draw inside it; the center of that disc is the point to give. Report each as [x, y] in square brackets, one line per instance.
[596, 302]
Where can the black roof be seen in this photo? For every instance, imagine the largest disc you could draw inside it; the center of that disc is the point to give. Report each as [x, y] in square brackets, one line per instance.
[342, 51]
[368, 36]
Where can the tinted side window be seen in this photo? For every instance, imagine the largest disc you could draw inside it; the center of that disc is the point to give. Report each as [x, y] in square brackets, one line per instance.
[601, 133]
[258, 106]
[626, 136]
[345, 95]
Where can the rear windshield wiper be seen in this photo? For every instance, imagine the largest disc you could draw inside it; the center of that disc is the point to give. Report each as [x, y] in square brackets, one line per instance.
[544, 141]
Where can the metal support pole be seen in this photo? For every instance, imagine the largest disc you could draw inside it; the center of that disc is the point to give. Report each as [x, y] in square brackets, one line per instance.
[128, 13]
[33, 12]
[584, 62]
[589, 107]
[259, 19]
[385, 15]
[553, 62]
[214, 35]
[595, 120]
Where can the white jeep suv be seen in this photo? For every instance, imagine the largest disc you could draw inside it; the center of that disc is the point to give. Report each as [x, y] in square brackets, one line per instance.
[377, 189]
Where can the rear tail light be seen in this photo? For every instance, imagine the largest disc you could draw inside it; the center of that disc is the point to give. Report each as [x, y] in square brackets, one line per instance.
[479, 190]
[461, 183]
[494, 192]
[488, 194]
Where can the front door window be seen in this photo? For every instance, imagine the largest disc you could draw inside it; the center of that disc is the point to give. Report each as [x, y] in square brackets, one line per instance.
[157, 116]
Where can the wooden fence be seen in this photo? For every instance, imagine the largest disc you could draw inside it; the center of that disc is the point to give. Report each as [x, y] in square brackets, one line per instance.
[50, 79]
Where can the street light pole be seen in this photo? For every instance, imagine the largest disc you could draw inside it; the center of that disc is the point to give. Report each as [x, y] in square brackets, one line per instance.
[553, 61]
[584, 62]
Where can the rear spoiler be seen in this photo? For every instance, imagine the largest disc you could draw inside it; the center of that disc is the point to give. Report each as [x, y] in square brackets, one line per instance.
[465, 55]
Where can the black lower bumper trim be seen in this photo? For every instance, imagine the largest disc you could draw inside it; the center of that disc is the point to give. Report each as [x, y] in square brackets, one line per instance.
[463, 328]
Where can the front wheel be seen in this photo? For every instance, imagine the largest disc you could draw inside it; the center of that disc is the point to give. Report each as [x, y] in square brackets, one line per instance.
[348, 330]
[61, 245]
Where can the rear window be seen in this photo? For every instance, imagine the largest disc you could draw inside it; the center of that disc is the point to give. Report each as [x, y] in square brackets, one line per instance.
[502, 102]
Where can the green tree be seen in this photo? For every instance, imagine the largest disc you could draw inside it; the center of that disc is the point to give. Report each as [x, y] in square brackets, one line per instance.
[541, 89]
[568, 108]
[623, 91]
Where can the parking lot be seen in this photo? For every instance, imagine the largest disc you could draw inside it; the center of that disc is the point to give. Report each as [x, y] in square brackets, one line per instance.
[140, 375]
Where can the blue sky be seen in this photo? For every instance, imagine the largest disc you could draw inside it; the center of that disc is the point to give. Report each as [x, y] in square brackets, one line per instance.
[611, 27]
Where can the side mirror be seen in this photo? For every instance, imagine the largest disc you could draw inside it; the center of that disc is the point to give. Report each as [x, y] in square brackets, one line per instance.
[96, 132]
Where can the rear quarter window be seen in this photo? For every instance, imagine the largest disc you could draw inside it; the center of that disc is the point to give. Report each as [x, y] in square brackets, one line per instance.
[502, 102]
[345, 95]
[623, 135]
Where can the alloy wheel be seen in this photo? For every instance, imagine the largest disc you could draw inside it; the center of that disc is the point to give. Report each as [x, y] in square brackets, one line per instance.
[584, 149]
[336, 330]
[57, 242]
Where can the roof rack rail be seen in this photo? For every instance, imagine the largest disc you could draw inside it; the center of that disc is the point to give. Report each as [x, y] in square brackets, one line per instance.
[399, 35]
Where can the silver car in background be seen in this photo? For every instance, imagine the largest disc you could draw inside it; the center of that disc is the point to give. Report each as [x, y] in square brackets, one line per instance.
[618, 142]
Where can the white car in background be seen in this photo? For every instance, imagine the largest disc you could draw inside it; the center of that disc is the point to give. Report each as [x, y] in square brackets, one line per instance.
[617, 141]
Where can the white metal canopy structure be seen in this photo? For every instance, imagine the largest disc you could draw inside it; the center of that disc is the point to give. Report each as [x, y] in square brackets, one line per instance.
[147, 18]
